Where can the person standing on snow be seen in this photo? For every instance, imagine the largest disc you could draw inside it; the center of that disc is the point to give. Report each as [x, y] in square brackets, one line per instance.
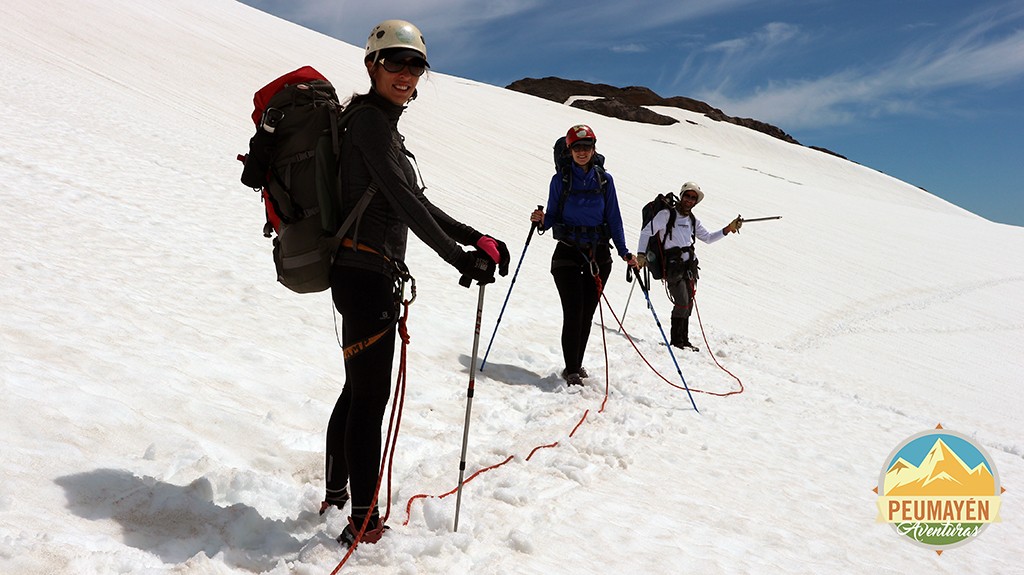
[583, 211]
[677, 232]
[365, 279]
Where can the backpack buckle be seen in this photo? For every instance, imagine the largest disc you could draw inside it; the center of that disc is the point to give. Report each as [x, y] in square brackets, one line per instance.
[271, 118]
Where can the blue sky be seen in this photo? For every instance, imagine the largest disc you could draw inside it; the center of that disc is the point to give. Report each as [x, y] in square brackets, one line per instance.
[928, 91]
[916, 450]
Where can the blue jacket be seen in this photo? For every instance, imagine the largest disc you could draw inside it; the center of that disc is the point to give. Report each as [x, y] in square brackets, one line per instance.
[585, 207]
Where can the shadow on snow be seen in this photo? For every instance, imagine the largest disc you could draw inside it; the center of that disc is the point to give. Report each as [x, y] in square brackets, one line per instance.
[176, 522]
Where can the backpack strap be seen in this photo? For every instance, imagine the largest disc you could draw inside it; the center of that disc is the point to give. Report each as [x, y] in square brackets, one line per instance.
[356, 213]
[566, 188]
[338, 128]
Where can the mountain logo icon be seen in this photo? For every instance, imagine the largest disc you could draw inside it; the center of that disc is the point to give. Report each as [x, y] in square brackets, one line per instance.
[940, 489]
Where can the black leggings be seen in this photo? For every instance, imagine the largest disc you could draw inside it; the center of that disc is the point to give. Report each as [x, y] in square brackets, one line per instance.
[367, 304]
[577, 289]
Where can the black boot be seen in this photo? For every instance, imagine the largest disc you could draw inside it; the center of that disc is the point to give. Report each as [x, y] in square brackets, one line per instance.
[335, 498]
[678, 338]
[680, 334]
[374, 530]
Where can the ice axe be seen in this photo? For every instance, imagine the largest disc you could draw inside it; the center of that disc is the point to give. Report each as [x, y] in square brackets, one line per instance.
[745, 220]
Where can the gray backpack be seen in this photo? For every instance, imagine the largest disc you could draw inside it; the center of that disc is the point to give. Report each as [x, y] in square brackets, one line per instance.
[293, 161]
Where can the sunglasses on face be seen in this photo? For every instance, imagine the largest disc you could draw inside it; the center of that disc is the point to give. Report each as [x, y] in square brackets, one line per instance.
[691, 197]
[415, 68]
[582, 148]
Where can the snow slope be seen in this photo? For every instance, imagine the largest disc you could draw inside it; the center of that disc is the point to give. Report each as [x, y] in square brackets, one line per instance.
[163, 400]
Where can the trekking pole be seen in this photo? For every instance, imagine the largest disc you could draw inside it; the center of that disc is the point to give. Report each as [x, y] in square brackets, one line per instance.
[629, 278]
[469, 403]
[647, 296]
[745, 220]
[512, 283]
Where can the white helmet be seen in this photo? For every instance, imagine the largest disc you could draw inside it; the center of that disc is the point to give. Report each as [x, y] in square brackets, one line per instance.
[395, 34]
[692, 187]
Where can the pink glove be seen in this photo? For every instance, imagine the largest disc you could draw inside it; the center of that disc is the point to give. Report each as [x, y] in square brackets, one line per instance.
[490, 247]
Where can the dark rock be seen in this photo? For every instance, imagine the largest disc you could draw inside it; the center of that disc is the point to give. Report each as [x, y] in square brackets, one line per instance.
[830, 152]
[618, 109]
[629, 103]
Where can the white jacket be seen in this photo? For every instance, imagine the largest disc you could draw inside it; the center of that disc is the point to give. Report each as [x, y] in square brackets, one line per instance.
[682, 235]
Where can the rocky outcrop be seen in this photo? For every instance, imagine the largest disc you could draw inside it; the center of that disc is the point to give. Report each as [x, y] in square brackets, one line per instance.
[630, 103]
[616, 108]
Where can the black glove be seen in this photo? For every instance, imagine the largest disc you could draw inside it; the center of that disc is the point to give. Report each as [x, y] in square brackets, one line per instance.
[475, 265]
[497, 250]
[505, 258]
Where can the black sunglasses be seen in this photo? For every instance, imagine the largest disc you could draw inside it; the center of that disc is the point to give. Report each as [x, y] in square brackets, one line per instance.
[416, 69]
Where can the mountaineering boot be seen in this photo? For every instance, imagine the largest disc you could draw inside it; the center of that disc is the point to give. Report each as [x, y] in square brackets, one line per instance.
[335, 499]
[374, 531]
[572, 378]
[678, 338]
[680, 334]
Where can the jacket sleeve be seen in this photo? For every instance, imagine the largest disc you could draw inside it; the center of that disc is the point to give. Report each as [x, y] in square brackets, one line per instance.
[371, 134]
[613, 218]
[705, 236]
[655, 227]
[460, 232]
[554, 195]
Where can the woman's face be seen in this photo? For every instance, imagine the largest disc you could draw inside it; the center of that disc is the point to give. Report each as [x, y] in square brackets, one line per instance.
[581, 153]
[397, 87]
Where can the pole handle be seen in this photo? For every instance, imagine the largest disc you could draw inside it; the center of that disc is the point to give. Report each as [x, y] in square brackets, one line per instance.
[536, 225]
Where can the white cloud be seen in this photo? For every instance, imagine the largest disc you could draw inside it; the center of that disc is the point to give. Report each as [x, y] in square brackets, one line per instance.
[965, 57]
[966, 60]
[778, 33]
[351, 20]
[629, 49]
[734, 45]
[768, 37]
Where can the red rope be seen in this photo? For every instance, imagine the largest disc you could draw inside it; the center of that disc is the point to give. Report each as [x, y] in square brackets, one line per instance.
[539, 447]
[408, 505]
[708, 347]
[663, 378]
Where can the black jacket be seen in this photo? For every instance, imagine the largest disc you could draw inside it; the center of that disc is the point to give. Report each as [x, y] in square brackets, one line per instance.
[374, 151]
